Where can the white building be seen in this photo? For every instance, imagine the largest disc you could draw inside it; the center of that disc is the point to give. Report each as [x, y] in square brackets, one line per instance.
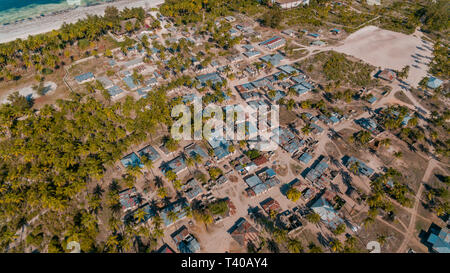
[373, 2]
[288, 4]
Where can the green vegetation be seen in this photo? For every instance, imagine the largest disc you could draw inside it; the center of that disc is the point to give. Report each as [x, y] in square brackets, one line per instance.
[45, 52]
[293, 194]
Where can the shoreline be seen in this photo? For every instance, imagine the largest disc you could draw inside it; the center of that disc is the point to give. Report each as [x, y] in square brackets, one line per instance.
[54, 21]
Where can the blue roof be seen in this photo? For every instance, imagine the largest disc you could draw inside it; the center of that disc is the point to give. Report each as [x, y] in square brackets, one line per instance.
[253, 53]
[253, 181]
[248, 47]
[372, 99]
[274, 59]
[114, 90]
[270, 172]
[150, 153]
[189, 245]
[194, 149]
[176, 165]
[131, 160]
[334, 119]
[177, 207]
[434, 82]
[259, 188]
[298, 79]
[129, 82]
[287, 69]
[84, 77]
[278, 95]
[327, 213]
[300, 89]
[363, 168]
[143, 91]
[192, 189]
[305, 158]
[213, 77]
[440, 241]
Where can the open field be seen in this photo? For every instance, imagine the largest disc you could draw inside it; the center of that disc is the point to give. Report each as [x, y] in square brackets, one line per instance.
[388, 49]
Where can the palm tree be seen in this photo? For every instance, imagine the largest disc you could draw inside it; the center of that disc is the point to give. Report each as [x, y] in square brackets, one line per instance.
[354, 167]
[112, 242]
[206, 219]
[148, 163]
[162, 192]
[314, 249]
[190, 162]
[279, 235]
[313, 218]
[139, 215]
[306, 130]
[336, 245]
[294, 246]
[172, 216]
[381, 239]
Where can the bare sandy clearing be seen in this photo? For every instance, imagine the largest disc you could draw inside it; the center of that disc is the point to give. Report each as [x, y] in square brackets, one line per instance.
[28, 91]
[388, 49]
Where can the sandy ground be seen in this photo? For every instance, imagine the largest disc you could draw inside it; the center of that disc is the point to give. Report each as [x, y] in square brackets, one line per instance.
[388, 49]
[49, 23]
[28, 91]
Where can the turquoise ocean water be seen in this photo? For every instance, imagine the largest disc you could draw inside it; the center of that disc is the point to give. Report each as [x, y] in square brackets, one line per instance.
[12, 11]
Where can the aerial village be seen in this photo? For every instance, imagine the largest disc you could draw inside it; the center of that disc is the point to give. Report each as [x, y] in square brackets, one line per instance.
[302, 185]
[221, 195]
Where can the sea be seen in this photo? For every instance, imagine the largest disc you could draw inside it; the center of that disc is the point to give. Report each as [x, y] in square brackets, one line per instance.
[15, 11]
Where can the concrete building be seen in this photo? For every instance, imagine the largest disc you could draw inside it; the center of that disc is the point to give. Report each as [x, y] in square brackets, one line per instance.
[288, 4]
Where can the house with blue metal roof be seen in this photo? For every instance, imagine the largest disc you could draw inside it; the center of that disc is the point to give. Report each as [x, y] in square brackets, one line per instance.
[193, 150]
[143, 91]
[300, 89]
[131, 160]
[106, 82]
[177, 207]
[372, 99]
[288, 69]
[316, 173]
[114, 90]
[248, 47]
[367, 123]
[278, 95]
[220, 147]
[362, 167]
[305, 158]
[130, 82]
[327, 213]
[176, 165]
[192, 189]
[86, 77]
[253, 181]
[150, 153]
[210, 77]
[439, 239]
[274, 59]
[252, 54]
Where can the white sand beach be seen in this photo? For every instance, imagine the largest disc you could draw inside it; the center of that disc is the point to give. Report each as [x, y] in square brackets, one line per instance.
[48, 23]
